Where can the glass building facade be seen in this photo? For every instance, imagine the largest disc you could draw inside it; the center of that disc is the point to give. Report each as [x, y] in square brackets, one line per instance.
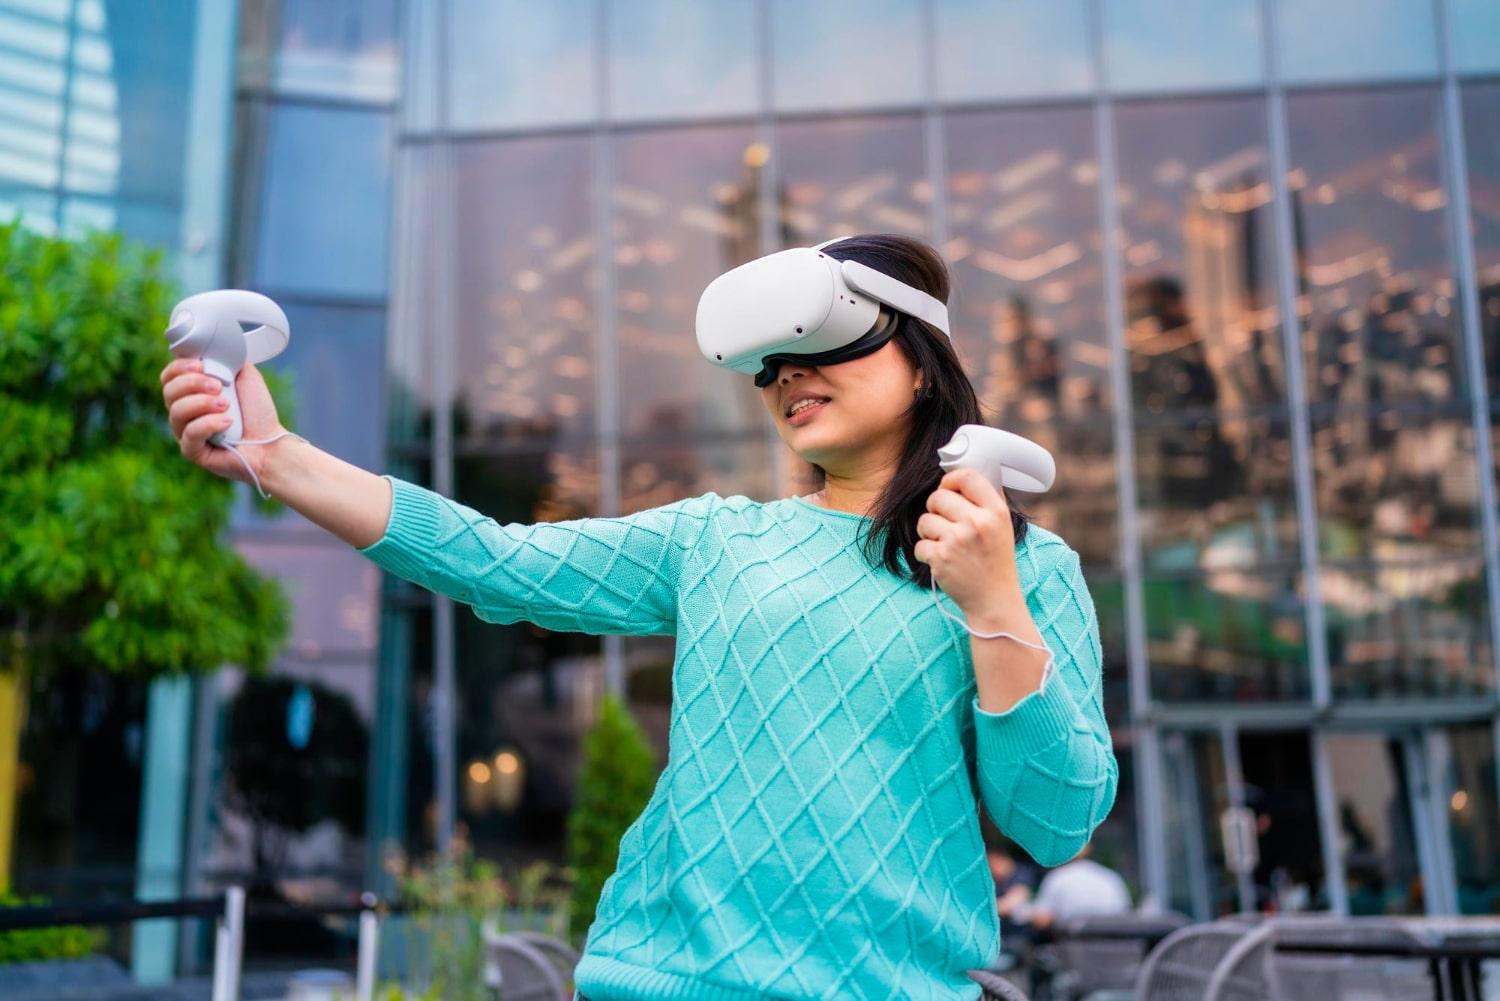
[1237, 264]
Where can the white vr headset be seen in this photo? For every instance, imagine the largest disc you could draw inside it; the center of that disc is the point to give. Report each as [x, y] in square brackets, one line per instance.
[804, 307]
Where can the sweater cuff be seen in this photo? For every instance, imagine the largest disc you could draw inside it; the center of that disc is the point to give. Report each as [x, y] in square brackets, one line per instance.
[410, 534]
[1035, 723]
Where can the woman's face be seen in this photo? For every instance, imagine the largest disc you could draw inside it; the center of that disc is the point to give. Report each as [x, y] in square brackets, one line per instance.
[846, 417]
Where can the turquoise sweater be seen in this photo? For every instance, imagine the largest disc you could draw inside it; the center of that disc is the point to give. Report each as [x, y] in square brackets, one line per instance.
[815, 832]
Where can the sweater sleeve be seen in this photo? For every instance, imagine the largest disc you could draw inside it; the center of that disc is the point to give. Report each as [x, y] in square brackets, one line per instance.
[1046, 768]
[595, 575]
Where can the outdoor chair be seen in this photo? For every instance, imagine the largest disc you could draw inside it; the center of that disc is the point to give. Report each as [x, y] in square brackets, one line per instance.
[1099, 957]
[524, 969]
[1181, 967]
[1317, 977]
[996, 987]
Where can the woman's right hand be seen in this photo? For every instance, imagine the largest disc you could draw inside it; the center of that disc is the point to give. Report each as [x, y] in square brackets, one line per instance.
[196, 409]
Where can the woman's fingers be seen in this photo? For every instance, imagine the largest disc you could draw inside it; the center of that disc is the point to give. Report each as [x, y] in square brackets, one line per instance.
[179, 366]
[933, 526]
[186, 408]
[194, 438]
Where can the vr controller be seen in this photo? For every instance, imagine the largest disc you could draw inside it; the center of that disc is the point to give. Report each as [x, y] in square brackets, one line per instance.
[1003, 458]
[225, 329]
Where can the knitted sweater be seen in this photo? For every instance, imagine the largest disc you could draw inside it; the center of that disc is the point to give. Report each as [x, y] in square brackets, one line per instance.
[815, 832]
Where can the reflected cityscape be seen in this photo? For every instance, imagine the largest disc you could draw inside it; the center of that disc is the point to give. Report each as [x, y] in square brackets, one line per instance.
[1238, 268]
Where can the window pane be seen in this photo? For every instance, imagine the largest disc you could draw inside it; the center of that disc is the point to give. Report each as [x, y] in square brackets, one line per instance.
[653, 474]
[323, 220]
[420, 70]
[1216, 493]
[1481, 110]
[1327, 40]
[1154, 45]
[1108, 592]
[1029, 291]
[1474, 823]
[1278, 782]
[1226, 636]
[1475, 25]
[839, 178]
[1082, 505]
[345, 49]
[525, 694]
[333, 592]
[421, 287]
[1395, 485]
[1372, 240]
[525, 312]
[1408, 630]
[513, 63]
[37, 210]
[669, 58]
[687, 209]
[1200, 260]
[1021, 48]
[1371, 787]
[845, 54]
[337, 362]
[1196, 788]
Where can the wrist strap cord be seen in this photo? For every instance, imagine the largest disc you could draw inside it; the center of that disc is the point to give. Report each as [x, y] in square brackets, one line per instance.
[232, 446]
[1046, 668]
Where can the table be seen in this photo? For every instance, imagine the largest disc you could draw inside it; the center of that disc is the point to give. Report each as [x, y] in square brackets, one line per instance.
[1455, 949]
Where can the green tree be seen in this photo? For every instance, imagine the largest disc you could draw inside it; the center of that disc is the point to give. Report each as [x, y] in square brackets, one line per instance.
[111, 545]
[615, 782]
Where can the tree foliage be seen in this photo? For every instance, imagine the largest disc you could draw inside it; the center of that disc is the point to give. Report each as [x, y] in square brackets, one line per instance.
[615, 782]
[112, 553]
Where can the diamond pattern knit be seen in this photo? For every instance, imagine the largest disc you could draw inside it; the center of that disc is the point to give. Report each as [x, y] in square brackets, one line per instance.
[815, 832]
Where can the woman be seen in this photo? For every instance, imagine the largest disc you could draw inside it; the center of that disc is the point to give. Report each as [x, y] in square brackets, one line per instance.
[835, 725]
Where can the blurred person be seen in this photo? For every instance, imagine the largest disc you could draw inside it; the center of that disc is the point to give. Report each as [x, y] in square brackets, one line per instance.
[835, 722]
[1081, 888]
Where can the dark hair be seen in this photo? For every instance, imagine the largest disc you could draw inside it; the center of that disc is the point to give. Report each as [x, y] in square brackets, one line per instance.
[945, 400]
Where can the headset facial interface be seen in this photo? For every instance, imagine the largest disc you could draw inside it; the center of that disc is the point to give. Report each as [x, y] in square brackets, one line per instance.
[804, 307]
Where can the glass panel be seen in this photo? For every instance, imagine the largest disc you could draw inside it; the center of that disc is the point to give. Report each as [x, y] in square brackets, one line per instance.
[1474, 817]
[155, 224]
[1372, 239]
[420, 58]
[1114, 842]
[344, 49]
[1082, 505]
[422, 286]
[1156, 45]
[648, 687]
[669, 58]
[323, 218]
[1370, 786]
[525, 310]
[1200, 259]
[1108, 592]
[1022, 48]
[1395, 485]
[653, 474]
[1023, 212]
[511, 63]
[837, 54]
[1226, 636]
[1481, 110]
[1197, 793]
[1322, 41]
[1278, 781]
[1408, 630]
[78, 786]
[526, 695]
[333, 593]
[37, 210]
[416, 793]
[687, 209]
[1216, 493]
[1475, 27]
[852, 176]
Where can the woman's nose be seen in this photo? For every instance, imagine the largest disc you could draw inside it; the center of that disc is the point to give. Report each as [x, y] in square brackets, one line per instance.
[789, 372]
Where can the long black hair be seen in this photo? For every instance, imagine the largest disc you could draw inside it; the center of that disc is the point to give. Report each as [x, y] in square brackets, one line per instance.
[945, 400]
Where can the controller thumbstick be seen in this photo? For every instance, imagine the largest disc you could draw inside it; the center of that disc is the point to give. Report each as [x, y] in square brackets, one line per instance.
[951, 454]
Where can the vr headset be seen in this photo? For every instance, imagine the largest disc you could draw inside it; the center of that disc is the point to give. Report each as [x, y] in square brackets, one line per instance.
[804, 307]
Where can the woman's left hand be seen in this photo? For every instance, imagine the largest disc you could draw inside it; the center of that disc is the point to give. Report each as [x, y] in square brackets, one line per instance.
[967, 538]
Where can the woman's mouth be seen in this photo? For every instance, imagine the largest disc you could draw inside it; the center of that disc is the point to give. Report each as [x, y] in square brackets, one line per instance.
[802, 411]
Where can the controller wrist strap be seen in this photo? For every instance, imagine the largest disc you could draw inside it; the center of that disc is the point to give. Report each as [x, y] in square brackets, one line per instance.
[1043, 647]
[232, 447]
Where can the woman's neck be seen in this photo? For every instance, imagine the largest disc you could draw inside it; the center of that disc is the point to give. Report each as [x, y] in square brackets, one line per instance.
[856, 492]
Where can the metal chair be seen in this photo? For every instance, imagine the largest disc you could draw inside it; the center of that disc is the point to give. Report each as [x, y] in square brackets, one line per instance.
[996, 987]
[524, 970]
[1181, 967]
[1244, 973]
[1093, 956]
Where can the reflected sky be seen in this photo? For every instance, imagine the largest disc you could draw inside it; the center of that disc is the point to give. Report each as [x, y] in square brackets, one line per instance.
[1329, 41]
[1475, 27]
[1020, 48]
[515, 63]
[1161, 45]
[845, 54]
[672, 57]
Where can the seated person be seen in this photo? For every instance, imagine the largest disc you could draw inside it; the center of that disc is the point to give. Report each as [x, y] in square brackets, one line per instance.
[1081, 888]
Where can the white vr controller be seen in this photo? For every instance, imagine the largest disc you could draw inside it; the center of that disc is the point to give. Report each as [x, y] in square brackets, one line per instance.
[225, 329]
[1003, 458]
